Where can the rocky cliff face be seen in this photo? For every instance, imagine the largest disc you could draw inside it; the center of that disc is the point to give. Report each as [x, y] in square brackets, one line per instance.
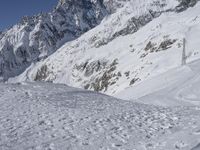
[37, 37]
[184, 4]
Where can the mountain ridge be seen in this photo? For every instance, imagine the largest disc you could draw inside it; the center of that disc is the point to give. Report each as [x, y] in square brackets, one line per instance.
[100, 59]
[38, 36]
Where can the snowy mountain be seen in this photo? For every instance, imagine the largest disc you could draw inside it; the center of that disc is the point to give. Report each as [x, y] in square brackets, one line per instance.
[143, 51]
[138, 41]
[44, 116]
[35, 38]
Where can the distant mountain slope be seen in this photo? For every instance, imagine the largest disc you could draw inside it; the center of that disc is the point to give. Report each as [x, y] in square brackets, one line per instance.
[137, 42]
[44, 116]
[35, 38]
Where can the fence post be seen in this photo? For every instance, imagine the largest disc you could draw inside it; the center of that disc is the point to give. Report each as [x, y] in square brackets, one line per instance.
[183, 53]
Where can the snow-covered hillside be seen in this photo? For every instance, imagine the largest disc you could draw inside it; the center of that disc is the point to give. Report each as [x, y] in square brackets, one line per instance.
[44, 116]
[179, 86]
[137, 42]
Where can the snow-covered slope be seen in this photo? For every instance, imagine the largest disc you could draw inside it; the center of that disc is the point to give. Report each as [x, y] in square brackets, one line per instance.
[179, 86]
[135, 53]
[137, 42]
[44, 116]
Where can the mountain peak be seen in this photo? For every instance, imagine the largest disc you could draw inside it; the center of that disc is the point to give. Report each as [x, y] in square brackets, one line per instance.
[63, 2]
[39, 36]
[79, 2]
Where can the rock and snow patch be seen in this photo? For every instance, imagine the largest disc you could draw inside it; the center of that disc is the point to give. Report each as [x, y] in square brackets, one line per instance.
[178, 86]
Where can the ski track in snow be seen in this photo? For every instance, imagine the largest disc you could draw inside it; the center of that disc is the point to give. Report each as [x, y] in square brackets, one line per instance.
[176, 87]
[44, 116]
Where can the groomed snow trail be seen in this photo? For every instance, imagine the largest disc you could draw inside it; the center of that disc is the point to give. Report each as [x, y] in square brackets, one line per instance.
[44, 116]
[176, 87]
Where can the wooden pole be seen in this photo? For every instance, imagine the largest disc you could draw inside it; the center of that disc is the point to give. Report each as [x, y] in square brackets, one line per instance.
[183, 53]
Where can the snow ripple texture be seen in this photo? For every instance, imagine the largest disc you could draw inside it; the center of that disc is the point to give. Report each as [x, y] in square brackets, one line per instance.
[43, 116]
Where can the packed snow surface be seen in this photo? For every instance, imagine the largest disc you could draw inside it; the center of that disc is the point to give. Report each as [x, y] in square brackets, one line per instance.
[44, 116]
[178, 86]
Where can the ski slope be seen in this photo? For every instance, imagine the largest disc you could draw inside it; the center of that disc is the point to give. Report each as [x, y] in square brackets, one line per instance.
[178, 86]
[44, 116]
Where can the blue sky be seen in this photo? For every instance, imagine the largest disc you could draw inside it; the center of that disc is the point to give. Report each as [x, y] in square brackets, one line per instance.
[11, 11]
